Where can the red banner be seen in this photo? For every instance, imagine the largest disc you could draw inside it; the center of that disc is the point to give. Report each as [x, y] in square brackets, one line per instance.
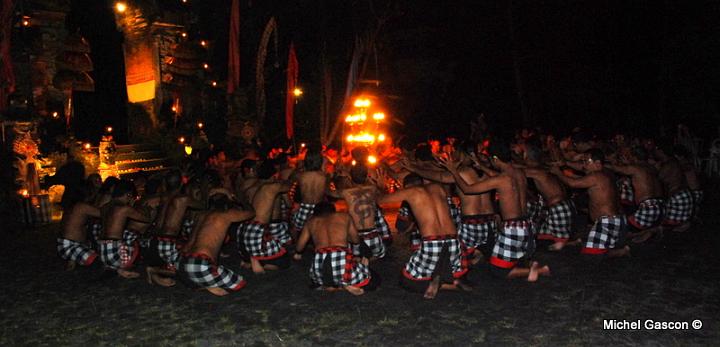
[292, 76]
[234, 48]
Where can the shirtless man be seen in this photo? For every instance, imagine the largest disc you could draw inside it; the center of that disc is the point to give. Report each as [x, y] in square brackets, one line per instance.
[312, 184]
[440, 256]
[333, 266]
[610, 224]
[71, 245]
[118, 246]
[405, 222]
[515, 237]
[168, 222]
[679, 200]
[647, 190]
[560, 209]
[361, 198]
[197, 263]
[477, 220]
[262, 241]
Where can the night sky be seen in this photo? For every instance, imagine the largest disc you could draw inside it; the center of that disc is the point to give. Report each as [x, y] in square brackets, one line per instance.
[626, 64]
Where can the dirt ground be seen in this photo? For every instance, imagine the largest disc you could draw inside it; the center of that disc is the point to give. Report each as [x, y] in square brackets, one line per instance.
[674, 279]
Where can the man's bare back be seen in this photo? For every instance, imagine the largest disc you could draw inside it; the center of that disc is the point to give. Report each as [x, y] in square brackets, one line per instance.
[210, 233]
[547, 184]
[265, 200]
[362, 202]
[312, 186]
[332, 230]
[74, 221]
[429, 205]
[116, 217]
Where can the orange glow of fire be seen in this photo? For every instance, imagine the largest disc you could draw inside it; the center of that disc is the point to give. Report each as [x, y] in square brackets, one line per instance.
[363, 103]
[372, 160]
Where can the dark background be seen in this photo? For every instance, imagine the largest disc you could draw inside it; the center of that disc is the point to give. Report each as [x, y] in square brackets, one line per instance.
[638, 66]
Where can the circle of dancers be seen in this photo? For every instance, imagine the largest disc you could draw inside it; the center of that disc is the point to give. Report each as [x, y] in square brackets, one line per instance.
[461, 205]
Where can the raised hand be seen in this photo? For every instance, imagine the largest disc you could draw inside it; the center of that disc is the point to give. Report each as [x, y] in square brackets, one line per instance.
[448, 163]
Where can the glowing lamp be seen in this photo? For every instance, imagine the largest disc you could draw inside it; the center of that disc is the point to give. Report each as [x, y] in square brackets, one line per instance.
[353, 163]
[381, 137]
[26, 22]
[24, 193]
[297, 92]
[203, 43]
[372, 160]
[108, 129]
[174, 109]
[379, 116]
[184, 34]
[87, 146]
[206, 66]
[214, 84]
[120, 7]
[302, 145]
[350, 138]
[362, 117]
[188, 149]
[181, 139]
[200, 125]
[362, 103]
[55, 114]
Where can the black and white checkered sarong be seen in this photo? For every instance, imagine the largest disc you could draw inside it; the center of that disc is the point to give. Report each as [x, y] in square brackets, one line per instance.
[627, 192]
[202, 270]
[607, 232]
[381, 224]
[168, 250]
[75, 251]
[255, 241]
[648, 214]
[537, 211]
[345, 271]
[679, 208]
[120, 254]
[422, 263]
[280, 231]
[558, 223]
[373, 239]
[513, 242]
[94, 229]
[474, 230]
[302, 215]
[455, 212]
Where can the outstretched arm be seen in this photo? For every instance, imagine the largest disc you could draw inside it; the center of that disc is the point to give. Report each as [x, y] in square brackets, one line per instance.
[136, 215]
[586, 181]
[236, 215]
[476, 188]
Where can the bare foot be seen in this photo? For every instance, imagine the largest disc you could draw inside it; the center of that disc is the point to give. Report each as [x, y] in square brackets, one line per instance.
[477, 257]
[682, 227]
[154, 278]
[557, 246]
[575, 242]
[217, 291]
[245, 265]
[331, 289]
[355, 290]
[534, 272]
[128, 274]
[432, 288]
[463, 284]
[270, 267]
[257, 267]
[70, 265]
[619, 252]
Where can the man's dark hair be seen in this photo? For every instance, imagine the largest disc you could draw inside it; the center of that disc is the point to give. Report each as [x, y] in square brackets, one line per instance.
[324, 208]
[219, 202]
[500, 148]
[596, 154]
[533, 153]
[108, 186]
[358, 174]
[123, 188]
[359, 154]
[173, 179]
[412, 179]
[423, 152]
[249, 164]
[266, 170]
[153, 186]
[582, 136]
[640, 153]
[313, 161]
